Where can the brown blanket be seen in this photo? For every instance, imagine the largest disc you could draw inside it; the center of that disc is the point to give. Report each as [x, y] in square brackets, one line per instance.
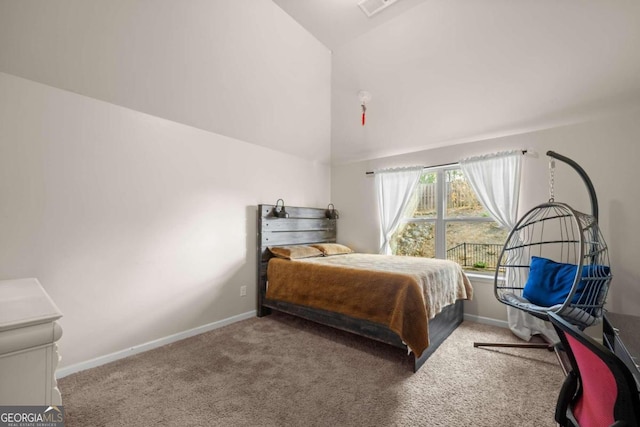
[396, 300]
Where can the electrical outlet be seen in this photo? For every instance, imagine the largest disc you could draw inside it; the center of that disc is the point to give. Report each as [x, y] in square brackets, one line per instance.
[243, 291]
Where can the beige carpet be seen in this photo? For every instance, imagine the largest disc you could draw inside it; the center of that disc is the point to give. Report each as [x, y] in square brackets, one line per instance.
[283, 371]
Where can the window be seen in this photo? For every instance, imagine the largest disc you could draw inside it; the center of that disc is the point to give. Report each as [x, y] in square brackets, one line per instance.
[446, 220]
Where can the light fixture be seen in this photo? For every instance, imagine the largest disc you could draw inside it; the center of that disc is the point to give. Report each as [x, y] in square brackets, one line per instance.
[281, 212]
[364, 97]
[331, 212]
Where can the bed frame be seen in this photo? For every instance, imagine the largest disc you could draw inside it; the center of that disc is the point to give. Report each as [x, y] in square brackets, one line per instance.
[311, 225]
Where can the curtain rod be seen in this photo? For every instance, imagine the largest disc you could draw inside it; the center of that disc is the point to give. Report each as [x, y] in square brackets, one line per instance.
[439, 166]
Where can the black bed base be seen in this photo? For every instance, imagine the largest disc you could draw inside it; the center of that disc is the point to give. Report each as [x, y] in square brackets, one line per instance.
[440, 327]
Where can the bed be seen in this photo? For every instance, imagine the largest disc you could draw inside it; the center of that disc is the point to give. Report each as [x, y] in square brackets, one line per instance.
[390, 299]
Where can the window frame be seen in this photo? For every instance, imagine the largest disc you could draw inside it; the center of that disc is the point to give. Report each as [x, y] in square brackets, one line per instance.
[441, 220]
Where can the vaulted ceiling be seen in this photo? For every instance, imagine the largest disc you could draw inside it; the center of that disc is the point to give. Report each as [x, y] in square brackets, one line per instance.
[440, 72]
[443, 72]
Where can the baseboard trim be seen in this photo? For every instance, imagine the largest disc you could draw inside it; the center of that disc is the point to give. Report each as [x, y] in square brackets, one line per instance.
[98, 361]
[486, 320]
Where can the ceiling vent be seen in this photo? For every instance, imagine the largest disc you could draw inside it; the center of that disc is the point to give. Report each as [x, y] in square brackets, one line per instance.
[371, 7]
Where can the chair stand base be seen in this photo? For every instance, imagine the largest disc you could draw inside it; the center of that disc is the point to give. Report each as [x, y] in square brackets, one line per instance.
[545, 343]
[548, 346]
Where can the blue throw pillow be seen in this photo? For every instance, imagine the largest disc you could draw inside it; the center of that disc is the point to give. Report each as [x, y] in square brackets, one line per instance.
[550, 282]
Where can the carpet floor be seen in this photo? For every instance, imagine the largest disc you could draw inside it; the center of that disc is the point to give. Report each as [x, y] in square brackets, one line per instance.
[284, 371]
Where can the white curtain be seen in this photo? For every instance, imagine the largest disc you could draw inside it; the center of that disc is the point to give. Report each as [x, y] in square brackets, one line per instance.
[495, 178]
[394, 188]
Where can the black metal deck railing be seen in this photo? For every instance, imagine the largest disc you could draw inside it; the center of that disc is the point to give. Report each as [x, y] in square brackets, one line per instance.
[476, 255]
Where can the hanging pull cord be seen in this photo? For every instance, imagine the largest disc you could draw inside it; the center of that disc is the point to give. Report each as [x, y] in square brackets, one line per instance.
[364, 111]
[552, 172]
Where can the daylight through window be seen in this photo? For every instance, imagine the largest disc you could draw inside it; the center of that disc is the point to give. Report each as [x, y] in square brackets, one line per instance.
[446, 220]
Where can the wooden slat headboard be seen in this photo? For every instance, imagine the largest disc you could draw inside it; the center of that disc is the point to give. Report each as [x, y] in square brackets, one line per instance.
[304, 226]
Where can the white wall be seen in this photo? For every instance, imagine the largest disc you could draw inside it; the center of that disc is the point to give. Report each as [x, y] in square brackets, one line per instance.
[450, 71]
[138, 227]
[607, 148]
[136, 140]
[240, 68]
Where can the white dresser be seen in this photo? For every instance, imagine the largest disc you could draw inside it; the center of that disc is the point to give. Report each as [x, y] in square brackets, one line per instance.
[28, 350]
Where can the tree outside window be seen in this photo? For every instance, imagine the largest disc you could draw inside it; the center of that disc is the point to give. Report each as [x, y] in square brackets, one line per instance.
[446, 220]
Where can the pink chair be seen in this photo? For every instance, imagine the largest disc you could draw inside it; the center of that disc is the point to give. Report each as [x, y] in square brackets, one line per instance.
[600, 390]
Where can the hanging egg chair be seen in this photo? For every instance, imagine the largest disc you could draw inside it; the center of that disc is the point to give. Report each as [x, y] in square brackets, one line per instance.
[555, 259]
